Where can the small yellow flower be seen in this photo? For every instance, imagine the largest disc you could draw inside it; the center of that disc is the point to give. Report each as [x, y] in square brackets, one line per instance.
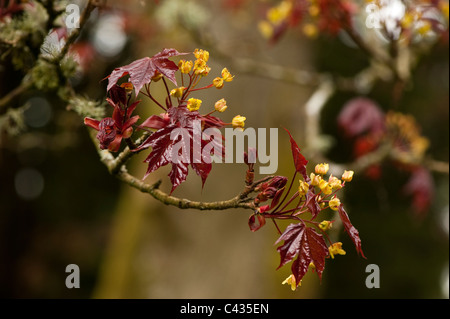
[303, 188]
[178, 92]
[221, 105]
[314, 10]
[193, 104]
[322, 169]
[315, 179]
[218, 83]
[201, 68]
[291, 281]
[325, 225]
[238, 121]
[347, 176]
[157, 76]
[278, 14]
[424, 28]
[266, 29]
[408, 20]
[335, 182]
[201, 55]
[310, 30]
[226, 75]
[312, 266]
[336, 249]
[334, 203]
[185, 66]
[127, 86]
[325, 187]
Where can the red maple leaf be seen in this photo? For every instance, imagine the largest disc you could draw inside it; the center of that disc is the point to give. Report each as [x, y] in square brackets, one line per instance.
[141, 71]
[351, 230]
[300, 161]
[307, 244]
[166, 138]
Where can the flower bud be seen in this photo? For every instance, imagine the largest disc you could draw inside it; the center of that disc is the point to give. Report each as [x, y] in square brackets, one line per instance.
[303, 188]
[335, 182]
[315, 179]
[325, 225]
[238, 121]
[157, 76]
[322, 169]
[334, 203]
[218, 83]
[347, 176]
[221, 105]
[178, 92]
[325, 187]
[185, 66]
[226, 75]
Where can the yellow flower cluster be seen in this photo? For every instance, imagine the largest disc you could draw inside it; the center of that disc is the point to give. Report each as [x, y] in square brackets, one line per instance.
[275, 16]
[280, 14]
[404, 132]
[219, 82]
[416, 22]
[326, 186]
[200, 66]
[196, 70]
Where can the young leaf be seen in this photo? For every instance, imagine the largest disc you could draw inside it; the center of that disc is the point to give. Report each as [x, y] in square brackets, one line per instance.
[351, 230]
[254, 226]
[162, 144]
[305, 243]
[300, 161]
[141, 71]
[312, 203]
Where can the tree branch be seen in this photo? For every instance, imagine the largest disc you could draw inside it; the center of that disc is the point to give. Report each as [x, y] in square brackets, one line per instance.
[117, 168]
[27, 82]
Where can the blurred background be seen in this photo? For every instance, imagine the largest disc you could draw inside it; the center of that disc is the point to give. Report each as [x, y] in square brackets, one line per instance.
[59, 205]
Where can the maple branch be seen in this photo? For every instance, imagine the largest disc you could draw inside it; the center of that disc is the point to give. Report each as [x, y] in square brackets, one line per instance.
[116, 167]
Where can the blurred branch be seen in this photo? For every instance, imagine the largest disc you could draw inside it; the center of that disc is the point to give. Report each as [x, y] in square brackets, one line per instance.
[27, 81]
[91, 5]
[6, 101]
[437, 166]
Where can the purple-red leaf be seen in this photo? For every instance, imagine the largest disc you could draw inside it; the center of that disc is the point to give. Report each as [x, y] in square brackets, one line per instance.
[300, 161]
[141, 71]
[361, 115]
[155, 122]
[118, 94]
[421, 187]
[351, 230]
[312, 203]
[305, 243]
[179, 129]
[202, 169]
[161, 154]
[256, 221]
[178, 174]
